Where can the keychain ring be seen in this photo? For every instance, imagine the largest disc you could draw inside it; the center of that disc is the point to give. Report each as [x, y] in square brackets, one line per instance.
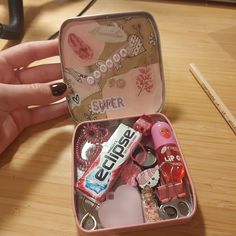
[89, 213]
[85, 218]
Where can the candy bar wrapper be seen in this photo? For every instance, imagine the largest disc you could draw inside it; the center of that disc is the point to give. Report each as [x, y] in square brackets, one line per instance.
[103, 172]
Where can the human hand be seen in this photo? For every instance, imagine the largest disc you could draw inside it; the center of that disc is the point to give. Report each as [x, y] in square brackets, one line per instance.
[27, 94]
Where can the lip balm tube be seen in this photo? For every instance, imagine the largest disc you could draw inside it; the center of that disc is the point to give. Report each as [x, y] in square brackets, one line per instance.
[169, 156]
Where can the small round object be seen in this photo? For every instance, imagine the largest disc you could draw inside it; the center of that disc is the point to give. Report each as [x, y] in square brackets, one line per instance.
[123, 52]
[116, 57]
[90, 80]
[97, 74]
[109, 63]
[145, 156]
[183, 208]
[165, 132]
[150, 159]
[170, 211]
[103, 68]
[120, 83]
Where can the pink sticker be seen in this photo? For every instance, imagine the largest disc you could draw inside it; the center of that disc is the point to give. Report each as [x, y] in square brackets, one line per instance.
[80, 47]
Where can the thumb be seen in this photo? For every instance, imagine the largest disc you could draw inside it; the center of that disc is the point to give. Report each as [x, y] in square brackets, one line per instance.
[14, 96]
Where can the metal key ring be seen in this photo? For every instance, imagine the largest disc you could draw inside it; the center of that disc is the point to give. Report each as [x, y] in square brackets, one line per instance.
[89, 213]
[86, 217]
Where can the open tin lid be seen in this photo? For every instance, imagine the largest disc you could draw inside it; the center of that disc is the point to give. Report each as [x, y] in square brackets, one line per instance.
[112, 65]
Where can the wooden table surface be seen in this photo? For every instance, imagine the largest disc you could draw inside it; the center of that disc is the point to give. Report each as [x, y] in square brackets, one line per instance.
[35, 171]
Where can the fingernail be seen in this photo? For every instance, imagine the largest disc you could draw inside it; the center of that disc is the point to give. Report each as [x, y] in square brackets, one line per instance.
[58, 89]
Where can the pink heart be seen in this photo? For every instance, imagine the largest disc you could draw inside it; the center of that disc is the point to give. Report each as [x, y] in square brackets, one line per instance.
[124, 209]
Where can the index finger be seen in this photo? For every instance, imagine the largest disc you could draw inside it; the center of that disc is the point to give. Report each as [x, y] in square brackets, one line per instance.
[24, 54]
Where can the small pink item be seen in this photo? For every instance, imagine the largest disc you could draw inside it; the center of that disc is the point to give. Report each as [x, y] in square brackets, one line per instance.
[129, 173]
[124, 209]
[149, 177]
[150, 207]
[80, 47]
[169, 192]
[143, 125]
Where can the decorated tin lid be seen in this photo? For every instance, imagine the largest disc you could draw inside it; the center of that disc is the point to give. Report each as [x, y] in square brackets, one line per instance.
[112, 65]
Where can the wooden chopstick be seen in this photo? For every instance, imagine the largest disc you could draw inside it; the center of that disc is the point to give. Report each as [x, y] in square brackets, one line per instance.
[227, 115]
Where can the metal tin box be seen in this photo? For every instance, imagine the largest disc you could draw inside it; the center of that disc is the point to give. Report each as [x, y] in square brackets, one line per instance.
[112, 66]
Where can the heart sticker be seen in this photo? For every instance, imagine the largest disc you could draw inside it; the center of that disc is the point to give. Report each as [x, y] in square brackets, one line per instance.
[76, 99]
[124, 209]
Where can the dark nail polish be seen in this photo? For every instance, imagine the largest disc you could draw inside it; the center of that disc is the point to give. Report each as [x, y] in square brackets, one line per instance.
[58, 89]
